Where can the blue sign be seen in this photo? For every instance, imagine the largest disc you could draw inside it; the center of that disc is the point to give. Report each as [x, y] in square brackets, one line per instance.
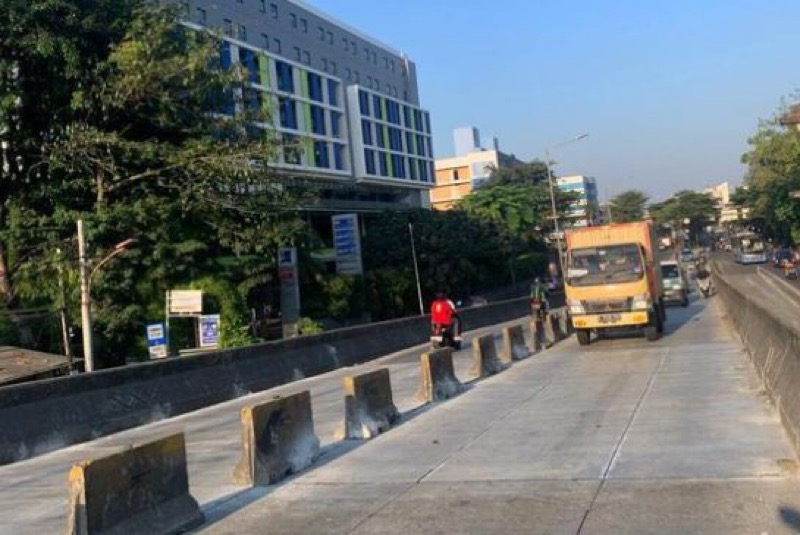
[347, 243]
[209, 330]
[157, 341]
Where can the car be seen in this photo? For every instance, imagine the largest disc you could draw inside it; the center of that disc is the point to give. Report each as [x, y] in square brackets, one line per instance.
[780, 256]
[687, 255]
[676, 289]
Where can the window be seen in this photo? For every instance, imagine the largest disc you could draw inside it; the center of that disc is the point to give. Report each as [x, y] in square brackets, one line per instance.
[363, 100]
[265, 41]
[225, 55]
[185, 9]
[378, 110]
[333, 67]
[369, 82]
[315, 87]
[393, 112]
[285, 76]
[379, 136]
[421, 146]
[386, 62]
[367, 54]
[369, 160]
[324, 62]
[228, 27]
[288, 113]
[407, 116]
[377, 86]
[293, 19]
[410, 143]
[291, 150]
[263, 7]
[277, 43]
[321, 154]
[333, 91]
[202, 16]
[318, 120]
[273, 8]
[398, 166]
[395, 140]
[336, 124]
[241, 32]
[366, 131]
[348, 73]
[357, 77]
[304, 25]
[240, 1]
[391, 65]
[412, 168]
[297, 53]
[455, 175]
[346, 44]
[321, 33]
[383, 163]
[248, 59]
[354, 48]
[330, 37]
[306, 57]
[338, 156]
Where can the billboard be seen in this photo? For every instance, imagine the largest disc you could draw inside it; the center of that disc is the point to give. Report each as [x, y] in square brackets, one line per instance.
[347, 243]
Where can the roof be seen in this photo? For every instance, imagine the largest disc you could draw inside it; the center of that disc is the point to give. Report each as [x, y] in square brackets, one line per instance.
[792, 116]
[19, 365]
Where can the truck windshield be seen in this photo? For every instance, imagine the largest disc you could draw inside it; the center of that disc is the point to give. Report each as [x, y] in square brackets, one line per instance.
[604, 265]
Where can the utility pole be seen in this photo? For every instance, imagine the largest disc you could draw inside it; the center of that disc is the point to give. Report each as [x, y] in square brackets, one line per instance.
[550, 180]
[86, 301]
[416, 269]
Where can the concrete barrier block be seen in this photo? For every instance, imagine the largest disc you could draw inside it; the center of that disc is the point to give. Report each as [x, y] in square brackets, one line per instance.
[485, 361]
[439, 381]
[368, 405]
[514, 347]
[551, 330]
[277, 440]
[143, 489]
[564, 324]
[537, 334]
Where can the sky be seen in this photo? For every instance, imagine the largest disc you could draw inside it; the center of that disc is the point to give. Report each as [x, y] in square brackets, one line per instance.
[668, 90]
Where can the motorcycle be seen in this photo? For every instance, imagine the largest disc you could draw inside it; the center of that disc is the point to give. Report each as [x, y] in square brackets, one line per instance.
[446, 335]
[705, 286]
[790, 270]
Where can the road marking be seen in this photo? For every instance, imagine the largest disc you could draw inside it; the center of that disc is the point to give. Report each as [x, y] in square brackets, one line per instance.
[772, 278]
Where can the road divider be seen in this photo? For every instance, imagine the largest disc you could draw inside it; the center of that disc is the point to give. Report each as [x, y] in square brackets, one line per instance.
[439, 381]
[537, 334]
[277, 440]
[514, 347]
[368, 405]
[143, 489]
[774, 347]
[485, 361]
[50, 414]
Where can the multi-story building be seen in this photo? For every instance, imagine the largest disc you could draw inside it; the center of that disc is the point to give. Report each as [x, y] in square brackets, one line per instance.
[728, 211]
[469, 169]
[584, 211]
[345, 105]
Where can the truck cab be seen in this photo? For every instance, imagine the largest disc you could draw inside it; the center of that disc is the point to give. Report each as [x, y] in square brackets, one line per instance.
[613, 282]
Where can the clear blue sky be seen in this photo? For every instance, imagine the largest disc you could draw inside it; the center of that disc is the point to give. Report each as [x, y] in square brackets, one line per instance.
[668, 90]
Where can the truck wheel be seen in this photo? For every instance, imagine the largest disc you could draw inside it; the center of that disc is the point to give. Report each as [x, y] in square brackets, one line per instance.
[651, 333]
[584, 337]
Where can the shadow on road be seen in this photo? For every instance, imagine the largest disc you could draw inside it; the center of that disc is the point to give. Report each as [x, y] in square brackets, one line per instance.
[790, 517]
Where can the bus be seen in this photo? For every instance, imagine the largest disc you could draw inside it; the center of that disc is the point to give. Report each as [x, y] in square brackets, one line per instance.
[749, 248]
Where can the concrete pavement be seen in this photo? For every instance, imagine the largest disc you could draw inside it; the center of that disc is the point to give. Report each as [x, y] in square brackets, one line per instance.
[33, 492]
[620, 437]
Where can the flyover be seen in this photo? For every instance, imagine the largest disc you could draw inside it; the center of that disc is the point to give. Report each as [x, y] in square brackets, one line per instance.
[624, 436]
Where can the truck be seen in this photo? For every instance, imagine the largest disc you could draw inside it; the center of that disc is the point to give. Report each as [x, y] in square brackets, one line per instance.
[613, 280]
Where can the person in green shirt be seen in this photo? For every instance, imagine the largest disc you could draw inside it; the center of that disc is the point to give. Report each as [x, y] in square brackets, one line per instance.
[539, 303]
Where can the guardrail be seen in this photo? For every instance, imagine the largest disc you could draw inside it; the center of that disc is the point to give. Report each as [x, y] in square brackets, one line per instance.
[51, 414]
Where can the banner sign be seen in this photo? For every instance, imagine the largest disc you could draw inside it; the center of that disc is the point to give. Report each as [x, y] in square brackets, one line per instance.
[185, 301]
[157, 341]
[209, 331]
[347, 242]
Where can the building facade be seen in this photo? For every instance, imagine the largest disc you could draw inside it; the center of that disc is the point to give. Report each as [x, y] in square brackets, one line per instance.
[345, 105]
[584, 212]
[471, 167]
[728, 211]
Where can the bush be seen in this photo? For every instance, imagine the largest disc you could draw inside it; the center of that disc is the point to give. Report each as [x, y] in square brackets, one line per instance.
[307, 326]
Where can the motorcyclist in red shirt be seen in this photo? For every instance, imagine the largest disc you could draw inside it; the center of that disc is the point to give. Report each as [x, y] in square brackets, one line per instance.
[445, 323]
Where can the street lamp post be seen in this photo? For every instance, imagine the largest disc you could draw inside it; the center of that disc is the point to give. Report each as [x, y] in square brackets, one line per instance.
[86, 291]
[551, 180]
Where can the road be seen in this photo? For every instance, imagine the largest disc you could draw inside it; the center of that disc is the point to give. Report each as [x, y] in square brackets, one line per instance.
[620, 437]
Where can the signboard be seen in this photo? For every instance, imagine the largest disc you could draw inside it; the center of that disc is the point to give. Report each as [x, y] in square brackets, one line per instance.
[209, 331]
[186, 302]
[157, 341]
[290, 290]
[347, 242]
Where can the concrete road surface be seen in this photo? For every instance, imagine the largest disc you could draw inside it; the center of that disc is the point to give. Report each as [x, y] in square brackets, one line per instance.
[620, 437]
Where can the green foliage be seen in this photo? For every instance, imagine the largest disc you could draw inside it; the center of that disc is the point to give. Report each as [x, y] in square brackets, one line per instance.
[628, 206]
[531, 173]
[773, 174]
[307, 327]
[344, 296]
[700, 209]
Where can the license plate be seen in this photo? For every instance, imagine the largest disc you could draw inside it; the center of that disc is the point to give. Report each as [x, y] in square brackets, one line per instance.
[606, 319]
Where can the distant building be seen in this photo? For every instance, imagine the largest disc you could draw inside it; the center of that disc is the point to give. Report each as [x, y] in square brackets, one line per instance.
[584, 212]
[469, 169]
[728, 212]
[792, 118]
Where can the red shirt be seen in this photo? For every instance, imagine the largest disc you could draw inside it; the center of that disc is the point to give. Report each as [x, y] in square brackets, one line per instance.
[442, 312]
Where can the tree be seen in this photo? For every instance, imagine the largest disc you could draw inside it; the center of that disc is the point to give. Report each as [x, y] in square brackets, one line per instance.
[531, 173]
[628, 206]
[699, 208]
[773, 174]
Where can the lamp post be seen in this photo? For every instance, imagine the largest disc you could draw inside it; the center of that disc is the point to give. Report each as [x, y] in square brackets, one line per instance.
[551, 180]
[86, 291]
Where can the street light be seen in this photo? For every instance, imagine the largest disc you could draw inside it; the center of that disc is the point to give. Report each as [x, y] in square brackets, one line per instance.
[550, 180]
[86, 292]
